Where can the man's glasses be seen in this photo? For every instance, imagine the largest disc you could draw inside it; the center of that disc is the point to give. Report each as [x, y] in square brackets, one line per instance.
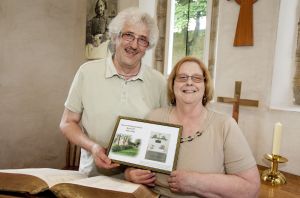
[184, 78]
[130, 36]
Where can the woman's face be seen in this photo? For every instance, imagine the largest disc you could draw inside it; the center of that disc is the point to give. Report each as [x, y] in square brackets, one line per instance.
[101, 8]
[189, 90]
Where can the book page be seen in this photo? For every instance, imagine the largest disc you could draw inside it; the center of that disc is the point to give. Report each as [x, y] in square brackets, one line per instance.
[108, 183]
[50, 176]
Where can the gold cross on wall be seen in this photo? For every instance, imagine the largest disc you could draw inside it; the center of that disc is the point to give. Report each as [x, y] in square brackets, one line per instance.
[244, 27]
[237, 101]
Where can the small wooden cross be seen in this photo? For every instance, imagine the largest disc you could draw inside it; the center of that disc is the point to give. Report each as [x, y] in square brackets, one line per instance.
[244, 28]
[236, 101]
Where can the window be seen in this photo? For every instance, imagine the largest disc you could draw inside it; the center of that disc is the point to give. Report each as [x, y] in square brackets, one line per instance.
[189, 31]
[282, 96]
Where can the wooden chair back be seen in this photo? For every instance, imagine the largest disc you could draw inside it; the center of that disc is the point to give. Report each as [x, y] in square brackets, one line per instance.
[72, 157]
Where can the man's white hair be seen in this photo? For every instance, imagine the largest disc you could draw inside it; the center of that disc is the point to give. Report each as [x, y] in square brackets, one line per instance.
[133, 15]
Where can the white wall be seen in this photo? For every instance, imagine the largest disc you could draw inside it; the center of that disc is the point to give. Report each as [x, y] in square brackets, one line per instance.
[284, 62]
[42, 46]
[122, 4]
[150, 8]
[254, 67]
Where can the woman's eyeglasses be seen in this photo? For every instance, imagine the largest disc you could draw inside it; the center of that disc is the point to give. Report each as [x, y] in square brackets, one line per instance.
[184, 78]
[130, 36]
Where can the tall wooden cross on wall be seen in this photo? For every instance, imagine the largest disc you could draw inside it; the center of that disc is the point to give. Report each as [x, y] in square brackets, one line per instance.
[237, 101]
[244, 27]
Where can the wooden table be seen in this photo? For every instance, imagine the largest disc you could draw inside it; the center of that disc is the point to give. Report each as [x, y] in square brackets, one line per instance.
[45, 194]
[289, 190]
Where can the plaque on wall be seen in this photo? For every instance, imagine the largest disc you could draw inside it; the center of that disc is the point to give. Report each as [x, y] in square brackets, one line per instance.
[99, 15]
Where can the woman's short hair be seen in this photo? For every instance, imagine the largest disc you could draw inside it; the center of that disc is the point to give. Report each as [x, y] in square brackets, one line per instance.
[133, 16]
[208, 93]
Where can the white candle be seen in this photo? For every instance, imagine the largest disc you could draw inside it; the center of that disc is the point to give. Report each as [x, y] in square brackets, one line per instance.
[277, 138]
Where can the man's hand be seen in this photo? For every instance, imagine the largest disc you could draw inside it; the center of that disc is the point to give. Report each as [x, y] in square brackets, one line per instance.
[140, 176]
[101, 159]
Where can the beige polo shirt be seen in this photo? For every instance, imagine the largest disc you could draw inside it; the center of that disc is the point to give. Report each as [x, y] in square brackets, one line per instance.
[101, 95]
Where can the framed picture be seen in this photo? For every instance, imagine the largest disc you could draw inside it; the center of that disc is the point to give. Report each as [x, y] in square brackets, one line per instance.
[145, 144]
[99, 15]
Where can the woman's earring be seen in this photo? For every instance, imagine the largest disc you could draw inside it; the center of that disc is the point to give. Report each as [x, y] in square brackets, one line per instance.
[204, 99]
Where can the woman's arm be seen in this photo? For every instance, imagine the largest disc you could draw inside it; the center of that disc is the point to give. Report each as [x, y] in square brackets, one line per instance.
[244, 184]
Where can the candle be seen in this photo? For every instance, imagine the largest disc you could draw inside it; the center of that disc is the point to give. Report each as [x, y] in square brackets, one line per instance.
[277, 138]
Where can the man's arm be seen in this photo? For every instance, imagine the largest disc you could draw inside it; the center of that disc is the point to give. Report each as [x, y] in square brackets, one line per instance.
[70, 127]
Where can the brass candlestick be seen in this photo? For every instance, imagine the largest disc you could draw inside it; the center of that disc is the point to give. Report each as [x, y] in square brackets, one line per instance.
[273, 176]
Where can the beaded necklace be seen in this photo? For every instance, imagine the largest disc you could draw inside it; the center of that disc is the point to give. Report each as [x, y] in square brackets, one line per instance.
[190, 138]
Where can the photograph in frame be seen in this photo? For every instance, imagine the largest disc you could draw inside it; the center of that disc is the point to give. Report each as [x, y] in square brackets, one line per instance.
[99, 15]
[145, 144]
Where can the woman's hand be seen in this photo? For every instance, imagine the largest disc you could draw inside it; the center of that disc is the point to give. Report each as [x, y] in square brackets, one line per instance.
[140, 176]
[101, 159]
[243, 184]
[180, 181]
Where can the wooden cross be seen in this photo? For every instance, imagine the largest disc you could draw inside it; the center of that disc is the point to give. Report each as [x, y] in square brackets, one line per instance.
[236, 101]
[244, 28]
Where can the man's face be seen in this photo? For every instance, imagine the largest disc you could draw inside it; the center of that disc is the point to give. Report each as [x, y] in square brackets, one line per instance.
[129, 53]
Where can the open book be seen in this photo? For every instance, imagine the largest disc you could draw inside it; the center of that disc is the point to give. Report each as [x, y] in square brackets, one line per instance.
[66, 183]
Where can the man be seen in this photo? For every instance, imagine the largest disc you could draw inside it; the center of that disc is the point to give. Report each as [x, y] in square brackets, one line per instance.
[118, 85]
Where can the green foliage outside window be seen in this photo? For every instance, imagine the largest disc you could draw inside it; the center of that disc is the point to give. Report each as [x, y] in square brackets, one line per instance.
[188, 42]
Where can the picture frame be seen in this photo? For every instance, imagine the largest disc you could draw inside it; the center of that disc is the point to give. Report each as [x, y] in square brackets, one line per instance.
[99, 14]
[145, 144]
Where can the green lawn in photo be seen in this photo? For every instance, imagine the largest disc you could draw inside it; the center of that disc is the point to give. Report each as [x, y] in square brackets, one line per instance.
[133, 151]
[129, 152]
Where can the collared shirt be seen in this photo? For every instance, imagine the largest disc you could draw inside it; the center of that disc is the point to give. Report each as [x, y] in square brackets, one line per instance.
[101, 95]
[111, 72]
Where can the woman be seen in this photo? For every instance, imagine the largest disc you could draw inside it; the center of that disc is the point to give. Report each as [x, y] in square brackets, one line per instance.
[214, 158]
